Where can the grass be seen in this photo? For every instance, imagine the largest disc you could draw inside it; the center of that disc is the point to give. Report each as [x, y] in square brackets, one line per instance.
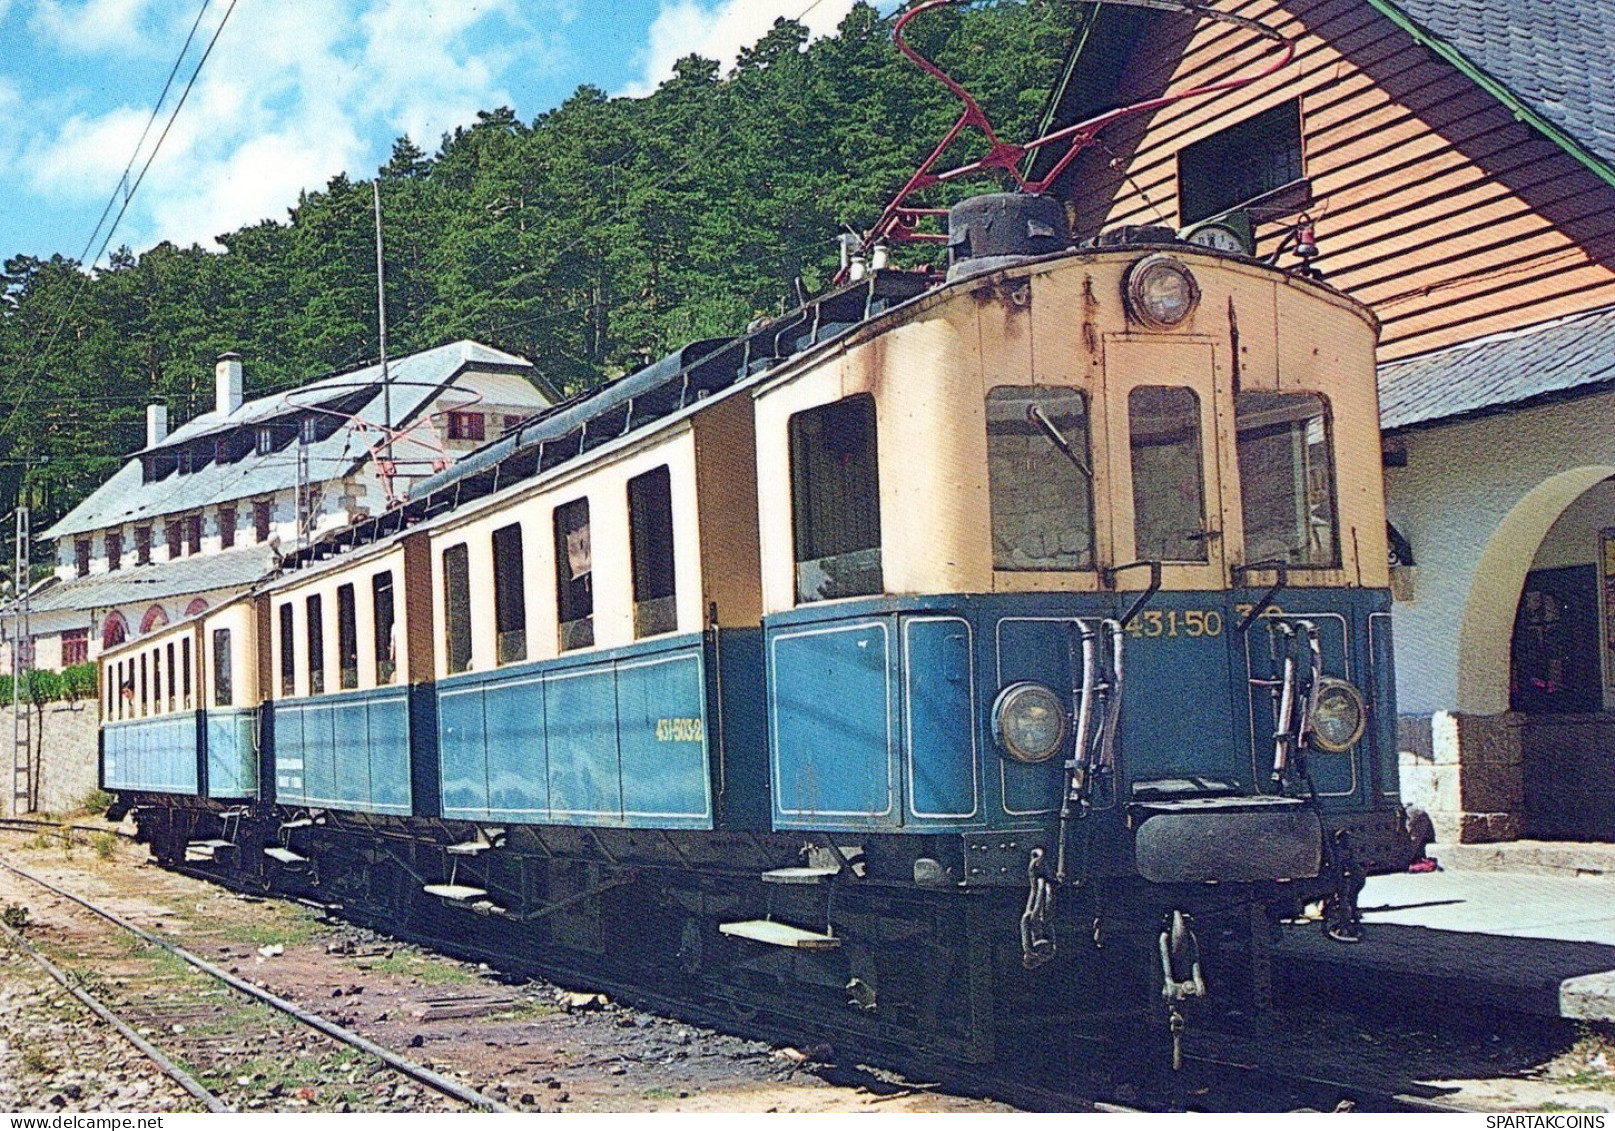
[287, 925]
[105, 844]
[35, 1060]
[658, 1094]
[431, 972]
[1590, 1062]
[96, 802]
[15, 916]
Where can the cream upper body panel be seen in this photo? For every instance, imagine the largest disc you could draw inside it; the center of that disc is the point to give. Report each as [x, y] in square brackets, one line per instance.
[1063, 322]
[377, 659]
[204, 661]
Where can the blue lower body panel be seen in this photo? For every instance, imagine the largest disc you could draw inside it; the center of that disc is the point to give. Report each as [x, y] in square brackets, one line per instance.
[617, 738]
[232, 754]
[347, 751]
[155, 755]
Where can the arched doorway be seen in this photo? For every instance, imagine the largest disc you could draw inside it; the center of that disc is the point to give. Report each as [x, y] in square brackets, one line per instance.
[114, 630]
[1535, 645]
[155, 617]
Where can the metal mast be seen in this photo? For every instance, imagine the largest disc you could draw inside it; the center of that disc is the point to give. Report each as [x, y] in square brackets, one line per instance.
[24, 798]
[381, 322]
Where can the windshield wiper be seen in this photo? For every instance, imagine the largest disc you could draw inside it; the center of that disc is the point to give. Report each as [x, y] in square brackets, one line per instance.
[1037, 416]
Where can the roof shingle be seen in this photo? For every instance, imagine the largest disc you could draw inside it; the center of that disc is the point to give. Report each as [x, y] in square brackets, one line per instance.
[1557, 56]
[1502, 370]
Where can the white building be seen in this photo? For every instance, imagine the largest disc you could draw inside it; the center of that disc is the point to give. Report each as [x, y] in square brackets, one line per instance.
[200, 514]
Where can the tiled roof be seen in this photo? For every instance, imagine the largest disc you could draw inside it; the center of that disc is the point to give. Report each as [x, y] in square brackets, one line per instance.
[1489, 373]
[1557, 56]
[415, 379]
[232, 569]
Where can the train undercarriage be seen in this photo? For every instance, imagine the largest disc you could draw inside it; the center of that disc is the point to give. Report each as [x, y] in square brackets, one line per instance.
[812, 937]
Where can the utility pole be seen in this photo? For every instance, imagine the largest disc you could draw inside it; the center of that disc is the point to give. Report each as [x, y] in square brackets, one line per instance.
[381, 322]
[24, 786]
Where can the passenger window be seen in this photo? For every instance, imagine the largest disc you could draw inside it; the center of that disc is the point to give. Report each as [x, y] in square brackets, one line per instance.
[288, 653]
[509, 594]
[574, 575]
[457, 607]
[381, 592]
[1169, 491]
[314, 609]
[650, 532]
[173, 695]
[347, 638]
[1040, 478]
[185, 670]
[223, 692]
[145, 686]
[1287, 479]
[157, 681]
[835, 500]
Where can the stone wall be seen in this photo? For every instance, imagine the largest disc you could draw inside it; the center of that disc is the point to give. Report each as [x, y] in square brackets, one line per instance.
[69, 771]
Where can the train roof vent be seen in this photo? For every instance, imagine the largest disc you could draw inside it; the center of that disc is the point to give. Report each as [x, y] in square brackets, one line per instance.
[995, 230]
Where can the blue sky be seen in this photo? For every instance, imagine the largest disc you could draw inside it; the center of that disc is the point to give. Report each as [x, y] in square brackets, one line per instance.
[296, 91]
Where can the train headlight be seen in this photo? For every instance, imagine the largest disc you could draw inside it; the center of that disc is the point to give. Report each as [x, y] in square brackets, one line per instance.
[1338, 721]
[1029, 721]
[1161, 292]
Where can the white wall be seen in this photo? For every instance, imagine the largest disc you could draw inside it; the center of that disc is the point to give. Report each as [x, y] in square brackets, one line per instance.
[1493, 487]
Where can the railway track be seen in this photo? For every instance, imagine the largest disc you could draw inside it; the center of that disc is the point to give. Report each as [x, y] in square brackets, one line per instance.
[1225, 1082]
[209, 1043]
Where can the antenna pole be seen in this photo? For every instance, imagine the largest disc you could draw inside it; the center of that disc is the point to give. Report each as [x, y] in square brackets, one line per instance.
[24, 781]
[381, 321]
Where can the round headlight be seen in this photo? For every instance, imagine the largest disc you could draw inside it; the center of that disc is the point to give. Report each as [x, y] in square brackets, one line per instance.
[1161, 292]
[1338, 722]
[1029, 722]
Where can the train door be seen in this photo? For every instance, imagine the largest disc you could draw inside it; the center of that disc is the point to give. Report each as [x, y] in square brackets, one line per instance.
[1163, 407]
[1164, 401]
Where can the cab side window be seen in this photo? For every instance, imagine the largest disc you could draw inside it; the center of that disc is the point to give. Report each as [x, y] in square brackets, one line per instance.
[1169, 488]
[1287, 479]
[835, 500]
[1040, 478]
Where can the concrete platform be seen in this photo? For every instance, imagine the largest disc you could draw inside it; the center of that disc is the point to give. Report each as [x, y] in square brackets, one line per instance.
[1534, 942]
[1536, 857]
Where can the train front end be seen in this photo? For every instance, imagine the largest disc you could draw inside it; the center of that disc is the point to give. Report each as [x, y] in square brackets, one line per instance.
[1082, 588]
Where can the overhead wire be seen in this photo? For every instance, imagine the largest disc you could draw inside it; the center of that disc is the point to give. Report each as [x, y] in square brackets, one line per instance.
[129, 191]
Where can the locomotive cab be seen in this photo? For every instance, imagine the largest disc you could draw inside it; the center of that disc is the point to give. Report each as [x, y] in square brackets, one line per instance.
[1044, 553]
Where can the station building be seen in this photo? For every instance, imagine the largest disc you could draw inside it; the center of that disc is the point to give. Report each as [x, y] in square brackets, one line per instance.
[1453, 164]
[200, 514]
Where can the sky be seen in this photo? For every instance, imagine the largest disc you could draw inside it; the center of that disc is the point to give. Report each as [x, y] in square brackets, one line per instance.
[294, 92]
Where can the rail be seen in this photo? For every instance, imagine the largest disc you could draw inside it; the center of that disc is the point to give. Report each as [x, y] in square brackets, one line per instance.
[418, 1072]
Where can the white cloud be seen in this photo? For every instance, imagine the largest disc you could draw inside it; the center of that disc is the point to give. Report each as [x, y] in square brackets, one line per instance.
[719, 30]
[292, 95]
[91, 25]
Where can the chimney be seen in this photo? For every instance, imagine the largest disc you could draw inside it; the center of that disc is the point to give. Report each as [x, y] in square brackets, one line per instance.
[227, 382]
[156, 424]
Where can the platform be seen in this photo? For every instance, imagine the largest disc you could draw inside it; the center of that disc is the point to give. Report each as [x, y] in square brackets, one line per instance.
[1531, 941]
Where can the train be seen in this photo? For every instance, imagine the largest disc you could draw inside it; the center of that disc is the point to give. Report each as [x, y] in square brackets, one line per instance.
[952, 656]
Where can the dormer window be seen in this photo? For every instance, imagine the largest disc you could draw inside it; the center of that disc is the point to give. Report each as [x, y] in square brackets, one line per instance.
[1245, 166]
[142, 545]
[467, 426]
[265, 440]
